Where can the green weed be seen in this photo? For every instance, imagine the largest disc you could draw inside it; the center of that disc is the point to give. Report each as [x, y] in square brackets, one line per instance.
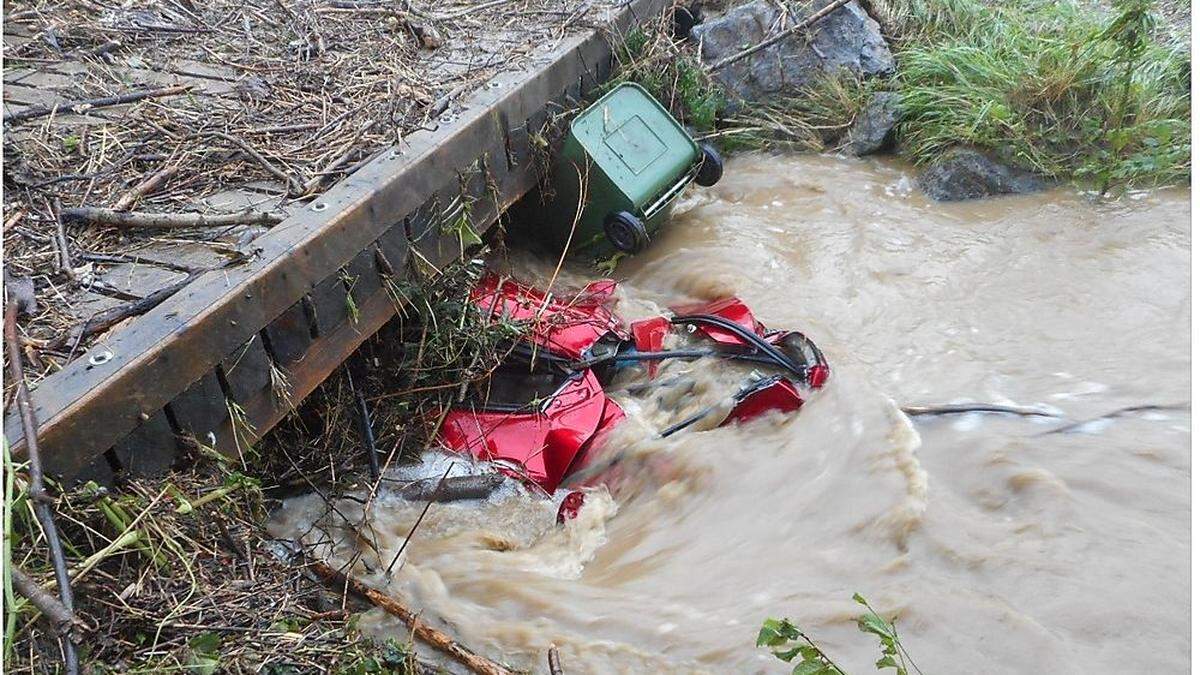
[652, 60]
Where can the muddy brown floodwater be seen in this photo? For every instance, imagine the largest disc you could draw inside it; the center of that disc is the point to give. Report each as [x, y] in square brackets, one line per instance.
[1002, 545]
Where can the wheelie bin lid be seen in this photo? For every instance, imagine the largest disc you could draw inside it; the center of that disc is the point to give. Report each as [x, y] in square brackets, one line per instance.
[638, 145]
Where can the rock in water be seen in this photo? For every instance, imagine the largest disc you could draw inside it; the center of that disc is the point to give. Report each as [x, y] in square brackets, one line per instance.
[848, 39]
[967, 174]
[874, 128]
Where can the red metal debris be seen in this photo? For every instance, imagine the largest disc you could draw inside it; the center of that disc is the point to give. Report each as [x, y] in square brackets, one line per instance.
[543, 440]
[568, 328]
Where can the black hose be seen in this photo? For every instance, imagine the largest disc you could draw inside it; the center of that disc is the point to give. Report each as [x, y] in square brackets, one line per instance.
[750, 337]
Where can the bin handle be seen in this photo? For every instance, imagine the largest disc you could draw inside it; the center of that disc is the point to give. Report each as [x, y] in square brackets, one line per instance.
[668, 195]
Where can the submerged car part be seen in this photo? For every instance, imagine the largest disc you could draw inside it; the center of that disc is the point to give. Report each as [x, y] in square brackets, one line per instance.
[542, 415]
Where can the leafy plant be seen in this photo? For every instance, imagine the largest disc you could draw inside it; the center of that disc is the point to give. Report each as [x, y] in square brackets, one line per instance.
[788, 643]
[894, 654]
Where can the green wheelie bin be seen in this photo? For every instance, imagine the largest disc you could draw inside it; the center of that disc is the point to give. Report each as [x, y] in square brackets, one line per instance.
[629, 159]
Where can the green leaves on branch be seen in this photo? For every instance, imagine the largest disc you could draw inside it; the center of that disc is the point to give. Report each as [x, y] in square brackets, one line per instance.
[894, 655]
[788, 643]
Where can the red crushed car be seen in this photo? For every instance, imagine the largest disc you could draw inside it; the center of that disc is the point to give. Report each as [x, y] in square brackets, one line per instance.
[545, 410]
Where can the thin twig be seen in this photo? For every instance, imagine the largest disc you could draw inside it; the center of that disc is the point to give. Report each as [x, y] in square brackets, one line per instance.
[83, 106]
[37, 488]
[152, 183]
[413, 529]
[807, 23]
[293, 185]
[125, 219]
[342, 158]
[60, 236]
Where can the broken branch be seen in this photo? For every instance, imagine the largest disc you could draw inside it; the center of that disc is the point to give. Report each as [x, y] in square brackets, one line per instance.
[427, 633]
[127, 219]
[64, 620]
[145, 187]
[37, 488]
[83, 106]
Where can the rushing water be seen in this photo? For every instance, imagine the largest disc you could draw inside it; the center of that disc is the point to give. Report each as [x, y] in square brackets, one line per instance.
[1000, 544]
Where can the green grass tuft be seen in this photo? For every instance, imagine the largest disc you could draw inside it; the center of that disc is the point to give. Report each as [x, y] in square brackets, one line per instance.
[1053, 87]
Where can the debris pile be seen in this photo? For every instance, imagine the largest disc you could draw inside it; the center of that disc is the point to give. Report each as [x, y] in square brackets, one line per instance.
[144, 145]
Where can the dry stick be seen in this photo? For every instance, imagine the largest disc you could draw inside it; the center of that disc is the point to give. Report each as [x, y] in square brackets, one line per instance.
[102, 321]
[290, 181]
[37, 488]
[961, 408]
[139, 260]
[15, 218]
[91, 103]
[60, 237]
[427, 633]
[343, 157]
[145, 187]
[64, 620]
[468, 10]
[114, 218]
[807, 23]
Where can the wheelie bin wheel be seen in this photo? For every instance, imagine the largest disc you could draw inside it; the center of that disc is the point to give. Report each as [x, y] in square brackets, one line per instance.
[711, 166]
[683, 19]
[626, 232]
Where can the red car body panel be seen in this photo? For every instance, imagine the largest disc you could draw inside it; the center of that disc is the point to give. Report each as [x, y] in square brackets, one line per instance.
[567, 328]
[780, 395]
[539, 445]
[565, 433]
[732, 309]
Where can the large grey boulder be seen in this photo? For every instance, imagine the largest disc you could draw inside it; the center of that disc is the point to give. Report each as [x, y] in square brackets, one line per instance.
[874, 129]
[847, 39]
[967, 174]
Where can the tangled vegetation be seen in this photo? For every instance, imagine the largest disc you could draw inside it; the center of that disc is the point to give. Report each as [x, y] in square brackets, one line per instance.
[407, 375]
[1064, 89]
[178, 572]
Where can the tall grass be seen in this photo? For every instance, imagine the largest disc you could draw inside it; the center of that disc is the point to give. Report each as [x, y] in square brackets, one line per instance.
[1060, 87]
[1054, 87]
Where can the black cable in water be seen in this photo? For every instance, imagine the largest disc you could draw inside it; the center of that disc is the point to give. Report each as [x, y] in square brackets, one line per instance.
[365, 429]
[750, 337]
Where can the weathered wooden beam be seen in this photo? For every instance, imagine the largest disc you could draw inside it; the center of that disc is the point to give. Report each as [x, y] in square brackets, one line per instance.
[292, 284]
